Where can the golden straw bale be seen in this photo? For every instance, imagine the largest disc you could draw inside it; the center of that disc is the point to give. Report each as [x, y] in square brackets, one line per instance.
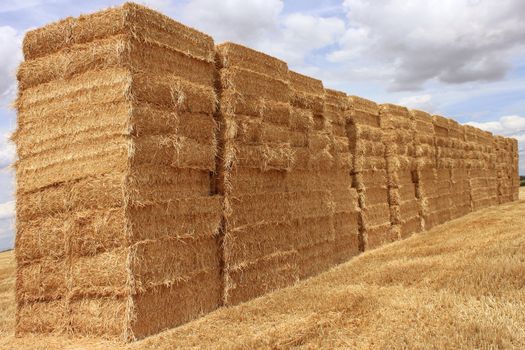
[234, 55]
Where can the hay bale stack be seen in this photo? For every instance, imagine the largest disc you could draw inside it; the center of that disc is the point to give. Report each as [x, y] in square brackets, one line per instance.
[313, 148]
[344, 196]
[116, 142]
[370, 178]
[259, 231]
[459, 176]
[405, 209]
[444, 163]
[481, 160]
[426, 172]
[515, 170]
[506, 151]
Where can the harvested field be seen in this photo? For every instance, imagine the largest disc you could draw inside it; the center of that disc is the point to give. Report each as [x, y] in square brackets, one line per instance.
[459, 285]
[161, 176]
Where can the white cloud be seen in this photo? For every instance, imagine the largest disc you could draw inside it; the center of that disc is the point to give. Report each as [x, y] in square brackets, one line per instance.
[6, 233]
[451, 41]
[10, 57]
[302, 34]
[242, 21]
[7, 151]
[260, 24]
[423, 102]
[7, 210]
[164, 6]
[507, 125]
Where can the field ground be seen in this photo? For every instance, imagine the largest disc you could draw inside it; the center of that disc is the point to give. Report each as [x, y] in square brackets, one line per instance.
[460, 285]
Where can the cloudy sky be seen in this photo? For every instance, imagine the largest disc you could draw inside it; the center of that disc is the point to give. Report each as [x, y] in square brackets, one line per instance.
[464, 59]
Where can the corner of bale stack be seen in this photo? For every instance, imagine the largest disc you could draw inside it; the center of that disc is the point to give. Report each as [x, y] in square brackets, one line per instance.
[129, 138]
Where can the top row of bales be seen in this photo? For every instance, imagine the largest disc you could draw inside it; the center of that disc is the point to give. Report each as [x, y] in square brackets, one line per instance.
[160, 176]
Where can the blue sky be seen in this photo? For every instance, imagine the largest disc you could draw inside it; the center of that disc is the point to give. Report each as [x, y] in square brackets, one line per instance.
[464, 59]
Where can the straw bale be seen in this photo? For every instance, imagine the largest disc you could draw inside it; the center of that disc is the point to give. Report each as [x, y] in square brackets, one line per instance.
[183, 218]
[307, 93]
[175, 151]
[423, 121]
[42, 317]
[410, 226]
[105, 53]
[117, 51]
[345, 200]
[301, 119]
[248, 281]
[166, 261]
[173, 92]
[42, 280]
[306, 84]
[250, 180]
[188, 299]
[48, 39]
[361, 104]
[126, 19]
[73, 127]
[105, 317]
[321, 161]
[100, 275]
[104, 86]
[409, 209]
[311, 231]
[376, 195]
[255, 131]
[298, 139]
[233, 55]
[72, 164]
[153, 182]
[149, 55]
[253, 208]
[266, 157]
[252, 86]
[376, 214]
[304, 204]
[377, 236]
[151, 120]
[346, 224]
[253, 242]
[84, 233]
[318, 258]
[395, 117]
[85, 193]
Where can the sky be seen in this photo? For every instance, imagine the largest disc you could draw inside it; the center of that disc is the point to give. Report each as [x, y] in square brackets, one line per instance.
[464, 59]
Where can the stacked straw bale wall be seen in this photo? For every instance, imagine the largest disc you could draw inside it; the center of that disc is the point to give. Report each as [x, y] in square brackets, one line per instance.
[160, 176]
[259, 250]
[481, 160]
[369, 174]
[116, 216]
[398, 125]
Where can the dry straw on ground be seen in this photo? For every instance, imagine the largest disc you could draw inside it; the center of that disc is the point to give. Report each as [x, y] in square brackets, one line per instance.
[161, 177]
